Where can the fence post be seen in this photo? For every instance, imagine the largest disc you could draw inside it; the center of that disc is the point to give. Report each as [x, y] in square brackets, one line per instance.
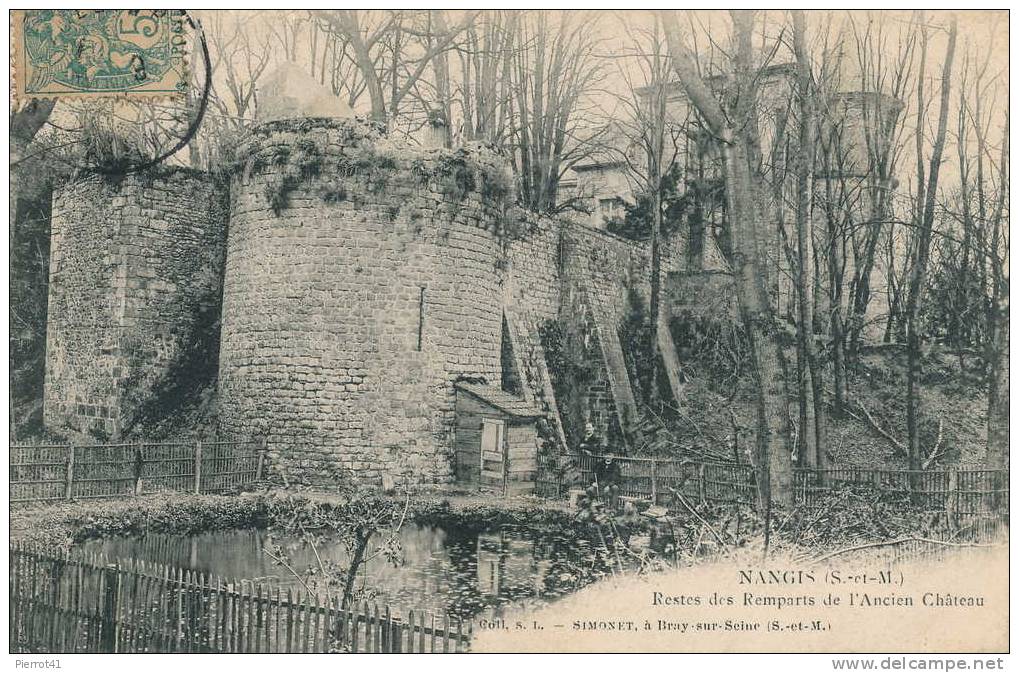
[260, 464]
[702, 487]
[396, 638]
[993, 499]
[952, 497]
[111, 606]
[69, 474]
[138, 466]
[654, 482]
[198, 466]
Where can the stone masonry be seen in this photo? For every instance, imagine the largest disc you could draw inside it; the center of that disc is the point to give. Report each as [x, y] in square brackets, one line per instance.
[134, 262]
[362, 279]
[353, 304]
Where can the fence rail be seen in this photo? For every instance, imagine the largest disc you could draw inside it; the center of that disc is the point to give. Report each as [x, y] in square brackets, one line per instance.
[80, 603]
[48, 472]
[956, 491]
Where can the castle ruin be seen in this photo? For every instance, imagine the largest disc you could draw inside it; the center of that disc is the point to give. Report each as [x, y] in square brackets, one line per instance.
[352, 282]
[361, 279]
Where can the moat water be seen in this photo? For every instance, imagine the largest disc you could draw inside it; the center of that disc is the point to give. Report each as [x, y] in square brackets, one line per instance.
[500, 573]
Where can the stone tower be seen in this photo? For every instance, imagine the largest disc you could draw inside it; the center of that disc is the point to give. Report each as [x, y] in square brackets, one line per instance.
[363, 279]
[135, 264]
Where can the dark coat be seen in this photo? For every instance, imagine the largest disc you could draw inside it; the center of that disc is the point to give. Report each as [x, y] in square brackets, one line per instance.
[607, 471]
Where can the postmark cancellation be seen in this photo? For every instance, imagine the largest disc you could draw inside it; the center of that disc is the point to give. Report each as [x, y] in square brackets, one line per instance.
[75, 53]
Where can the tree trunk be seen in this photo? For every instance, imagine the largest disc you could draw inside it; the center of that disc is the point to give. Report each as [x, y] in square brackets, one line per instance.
[356, 560]
[25, 123]
[838, 359]
[919, 270]
[441, 69]
[365, 65]
[835, 267]
[997, 352]
[767, 361]
[864, 271]
[997, 398]
[656, 232]
[812, 403]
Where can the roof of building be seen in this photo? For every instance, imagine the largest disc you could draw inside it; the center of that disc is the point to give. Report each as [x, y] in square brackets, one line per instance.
[608, 147]
[768, 72]
[500, 399]
[597, 162]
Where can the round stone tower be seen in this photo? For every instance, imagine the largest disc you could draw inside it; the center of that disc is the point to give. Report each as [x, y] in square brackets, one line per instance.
[363, 278]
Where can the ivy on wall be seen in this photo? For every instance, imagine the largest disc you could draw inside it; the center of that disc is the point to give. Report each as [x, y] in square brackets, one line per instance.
[293, 160]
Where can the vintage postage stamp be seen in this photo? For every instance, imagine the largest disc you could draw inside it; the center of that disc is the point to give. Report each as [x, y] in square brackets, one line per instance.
[78, 53]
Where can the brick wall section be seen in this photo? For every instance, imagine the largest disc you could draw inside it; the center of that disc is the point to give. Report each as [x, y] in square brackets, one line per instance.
[134, 263]
[555, 252]
[323, 302]
[535, 278]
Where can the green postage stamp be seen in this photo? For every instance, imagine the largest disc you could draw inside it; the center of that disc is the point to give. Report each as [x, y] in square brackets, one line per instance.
[78, 53]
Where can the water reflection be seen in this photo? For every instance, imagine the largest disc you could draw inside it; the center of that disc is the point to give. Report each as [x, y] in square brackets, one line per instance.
[505, 572]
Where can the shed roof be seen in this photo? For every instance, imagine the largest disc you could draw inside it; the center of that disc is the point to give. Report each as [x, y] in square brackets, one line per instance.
[500, 399]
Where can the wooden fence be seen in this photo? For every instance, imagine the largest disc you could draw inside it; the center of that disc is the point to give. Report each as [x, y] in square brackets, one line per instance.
[963, 492]
[80, 603]
[652, 479]
[47, 472]
[955, 491]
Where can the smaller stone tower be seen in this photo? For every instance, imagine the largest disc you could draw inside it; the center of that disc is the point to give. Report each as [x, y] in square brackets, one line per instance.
[135, 264]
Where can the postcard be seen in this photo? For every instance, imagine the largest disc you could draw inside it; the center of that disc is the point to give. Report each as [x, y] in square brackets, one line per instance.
[510, 330]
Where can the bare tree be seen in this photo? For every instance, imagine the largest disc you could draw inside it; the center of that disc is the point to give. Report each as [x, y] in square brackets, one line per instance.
[968, 292]
[391, 50]
[926, 203]
[812, 416]
[997, 347]
[484, 89]
[239, 56]
[555, 68]
[883, 131]
[25, 122]
[651, 148]
[239, 60]
[736, 134]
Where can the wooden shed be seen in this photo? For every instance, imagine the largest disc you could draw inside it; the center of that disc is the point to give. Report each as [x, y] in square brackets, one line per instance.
[496, 438]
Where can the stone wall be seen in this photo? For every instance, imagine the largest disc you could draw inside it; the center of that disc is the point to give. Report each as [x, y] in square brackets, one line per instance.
[362, 279]
[580, 277]
[135, 267]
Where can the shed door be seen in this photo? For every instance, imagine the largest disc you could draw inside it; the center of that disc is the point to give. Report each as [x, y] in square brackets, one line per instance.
[492, 457]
